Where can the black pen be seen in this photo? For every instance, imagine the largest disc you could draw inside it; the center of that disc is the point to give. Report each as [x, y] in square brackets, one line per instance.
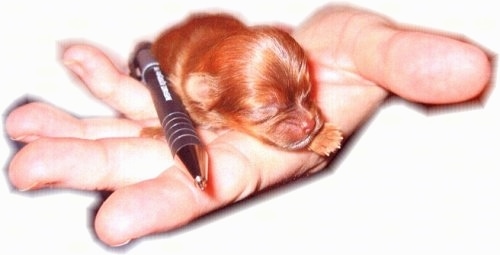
[177, 125]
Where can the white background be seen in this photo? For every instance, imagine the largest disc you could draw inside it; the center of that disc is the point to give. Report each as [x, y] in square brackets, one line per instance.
[412, 182]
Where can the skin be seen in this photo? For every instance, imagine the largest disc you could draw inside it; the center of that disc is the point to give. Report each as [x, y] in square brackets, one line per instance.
[358, 59]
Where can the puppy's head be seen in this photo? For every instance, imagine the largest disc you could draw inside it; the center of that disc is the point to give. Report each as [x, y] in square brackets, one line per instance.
[258, 82]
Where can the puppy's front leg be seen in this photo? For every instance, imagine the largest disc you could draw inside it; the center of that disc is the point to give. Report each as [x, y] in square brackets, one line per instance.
[327, 141]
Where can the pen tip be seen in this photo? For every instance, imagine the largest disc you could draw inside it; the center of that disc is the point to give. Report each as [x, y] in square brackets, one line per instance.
[200, 182]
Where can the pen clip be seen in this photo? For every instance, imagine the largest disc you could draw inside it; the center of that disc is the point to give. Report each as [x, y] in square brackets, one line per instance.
[133, 65]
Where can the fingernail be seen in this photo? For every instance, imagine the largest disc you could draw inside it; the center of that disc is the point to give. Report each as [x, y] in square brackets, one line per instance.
[32, 186]
[122, 244]
[25, 138]
[74, 66]
[72, 59]
[18, 138]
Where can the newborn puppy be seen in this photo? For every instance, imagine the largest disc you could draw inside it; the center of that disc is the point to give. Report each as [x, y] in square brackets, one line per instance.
[251, 79]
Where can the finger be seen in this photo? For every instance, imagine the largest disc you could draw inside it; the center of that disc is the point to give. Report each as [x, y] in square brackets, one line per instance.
[88, 164]
[171, 200]
[107, 83]
[419, 66]
[34, 120]
[150, 206]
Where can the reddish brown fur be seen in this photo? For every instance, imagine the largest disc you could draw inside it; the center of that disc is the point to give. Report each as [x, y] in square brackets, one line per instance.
[253, 79]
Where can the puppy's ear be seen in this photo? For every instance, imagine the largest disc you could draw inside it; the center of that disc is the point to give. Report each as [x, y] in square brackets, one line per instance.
[201, 88]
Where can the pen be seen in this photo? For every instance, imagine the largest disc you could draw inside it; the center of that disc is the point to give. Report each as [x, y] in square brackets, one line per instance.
[181, 136]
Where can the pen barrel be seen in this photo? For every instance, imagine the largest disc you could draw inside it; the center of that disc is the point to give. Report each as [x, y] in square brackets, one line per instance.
[179, 130]
[178, 127]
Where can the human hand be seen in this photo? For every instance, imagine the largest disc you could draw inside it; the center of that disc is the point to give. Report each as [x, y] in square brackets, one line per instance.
[357, 58]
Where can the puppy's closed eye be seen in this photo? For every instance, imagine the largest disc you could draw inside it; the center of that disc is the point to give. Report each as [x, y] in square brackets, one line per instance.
[262, 114]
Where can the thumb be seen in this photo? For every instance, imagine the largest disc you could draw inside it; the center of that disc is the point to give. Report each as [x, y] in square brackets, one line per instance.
[416, 65]
[422, 67]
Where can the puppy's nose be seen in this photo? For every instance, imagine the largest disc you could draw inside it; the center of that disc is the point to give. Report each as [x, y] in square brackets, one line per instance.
[308, 125]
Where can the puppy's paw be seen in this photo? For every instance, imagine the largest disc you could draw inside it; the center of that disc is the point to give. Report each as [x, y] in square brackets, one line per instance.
[327, 140]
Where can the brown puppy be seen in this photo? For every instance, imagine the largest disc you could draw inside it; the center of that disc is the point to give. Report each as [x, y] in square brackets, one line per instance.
[252, 79]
